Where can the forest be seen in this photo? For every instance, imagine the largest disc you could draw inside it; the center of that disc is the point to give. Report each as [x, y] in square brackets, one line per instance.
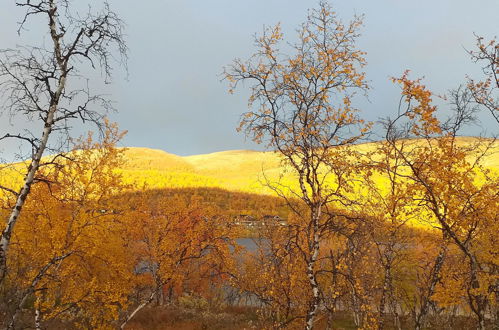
[342, 223]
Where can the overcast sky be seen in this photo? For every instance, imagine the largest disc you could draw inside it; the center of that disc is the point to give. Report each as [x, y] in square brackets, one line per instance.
[174, 99]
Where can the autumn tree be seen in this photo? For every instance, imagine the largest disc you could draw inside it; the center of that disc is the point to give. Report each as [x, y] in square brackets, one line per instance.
[451, 183]
[351, 263]
[69, 253]
[391, 206]
[388, 209]
[46, 84]
[270, 276]
[175, 241]
[301, 106]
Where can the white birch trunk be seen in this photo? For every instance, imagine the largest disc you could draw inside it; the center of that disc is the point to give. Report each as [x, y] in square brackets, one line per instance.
[136, 310]
[314, 306]
[38, 319]
[35, 161]
[21, 199]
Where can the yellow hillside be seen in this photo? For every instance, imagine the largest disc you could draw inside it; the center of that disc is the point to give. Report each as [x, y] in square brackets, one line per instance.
[153, 159]
[151, 168]
[238, 170]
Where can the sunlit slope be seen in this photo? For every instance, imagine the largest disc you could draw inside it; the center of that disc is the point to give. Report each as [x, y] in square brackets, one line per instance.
[153, 159]
[152, 168]
[238, 170]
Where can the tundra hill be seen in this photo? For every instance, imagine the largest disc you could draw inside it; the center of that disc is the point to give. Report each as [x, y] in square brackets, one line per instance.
[154, 159]
[152, 168]
[239, 169]
[235, 170]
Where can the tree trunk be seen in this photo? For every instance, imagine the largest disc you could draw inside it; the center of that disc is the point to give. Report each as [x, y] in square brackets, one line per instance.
[481, 323]
[312, 278]
[32, 287]
[396, 317]
[21, 198]
[435, 275]
[136, 310]
[334, 283]
[29, 179]
[38, 319]
[382, 302]
[478, 302]
[159, 290]
[355, 307]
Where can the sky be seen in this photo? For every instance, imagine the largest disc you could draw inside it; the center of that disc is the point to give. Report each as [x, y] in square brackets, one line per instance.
[173, 97]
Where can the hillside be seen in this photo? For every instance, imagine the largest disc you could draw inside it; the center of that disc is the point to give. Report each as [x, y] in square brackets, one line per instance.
[237, 170]
[153, 159]
[234, 170]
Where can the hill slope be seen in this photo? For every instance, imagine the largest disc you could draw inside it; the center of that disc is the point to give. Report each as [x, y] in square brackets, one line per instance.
[237, 170]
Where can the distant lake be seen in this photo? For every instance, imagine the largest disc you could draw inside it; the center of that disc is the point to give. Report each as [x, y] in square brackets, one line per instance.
[250, 243]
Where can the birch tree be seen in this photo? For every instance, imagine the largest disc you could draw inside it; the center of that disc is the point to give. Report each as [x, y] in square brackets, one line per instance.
[171, 240]
[451, 183]
[47, 85]
[82, 273]
[301, 106]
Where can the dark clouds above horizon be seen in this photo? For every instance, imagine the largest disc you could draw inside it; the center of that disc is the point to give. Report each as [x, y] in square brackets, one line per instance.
[174, 99]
